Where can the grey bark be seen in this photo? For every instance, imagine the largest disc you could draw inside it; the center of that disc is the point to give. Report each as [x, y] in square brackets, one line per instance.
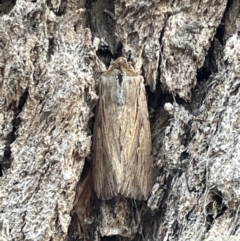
[51, 56]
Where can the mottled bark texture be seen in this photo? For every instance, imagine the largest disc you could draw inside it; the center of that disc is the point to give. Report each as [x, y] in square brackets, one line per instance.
[51, 56]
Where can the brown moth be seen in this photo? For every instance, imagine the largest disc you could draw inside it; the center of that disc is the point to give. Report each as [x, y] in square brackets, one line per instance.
[122, 163]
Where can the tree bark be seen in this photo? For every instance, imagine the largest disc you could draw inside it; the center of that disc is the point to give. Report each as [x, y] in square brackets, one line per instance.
[52, 54]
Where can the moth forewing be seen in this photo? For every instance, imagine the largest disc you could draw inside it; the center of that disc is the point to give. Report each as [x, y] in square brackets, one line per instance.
[122, 163]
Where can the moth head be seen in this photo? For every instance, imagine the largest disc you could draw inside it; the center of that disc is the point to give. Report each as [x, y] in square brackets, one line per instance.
[124, 66]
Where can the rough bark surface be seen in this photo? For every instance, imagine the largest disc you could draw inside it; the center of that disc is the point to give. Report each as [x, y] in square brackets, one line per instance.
[51, 56]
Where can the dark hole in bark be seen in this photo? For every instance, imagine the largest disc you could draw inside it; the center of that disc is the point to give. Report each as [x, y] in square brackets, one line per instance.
[221, 205]
[105, 56]
[155, 99]
[50, 48]
[229, 3]
[48, 2]
[203, 74]
[184, 155]
[209, 221]
[119, 50]
[220, 33]
[15, 124]
[212, 208]
[209, 65]
[6, 6]
[7, 150]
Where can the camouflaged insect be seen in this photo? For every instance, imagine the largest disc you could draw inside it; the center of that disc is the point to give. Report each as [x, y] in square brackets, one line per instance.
[122, 163]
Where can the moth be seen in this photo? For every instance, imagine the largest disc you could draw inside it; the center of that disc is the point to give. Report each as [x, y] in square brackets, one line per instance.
[122, 163]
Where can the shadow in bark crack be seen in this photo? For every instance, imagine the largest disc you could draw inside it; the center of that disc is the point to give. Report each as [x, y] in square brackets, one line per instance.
[6, 6]
[215, 208]
[101, 20]
[15, 125]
